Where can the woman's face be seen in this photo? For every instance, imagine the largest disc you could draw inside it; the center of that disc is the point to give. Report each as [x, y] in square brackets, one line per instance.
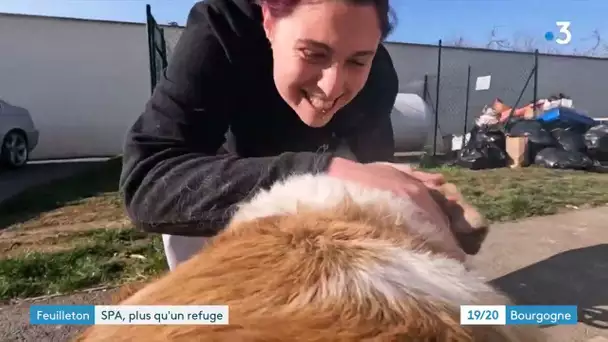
[322, 55]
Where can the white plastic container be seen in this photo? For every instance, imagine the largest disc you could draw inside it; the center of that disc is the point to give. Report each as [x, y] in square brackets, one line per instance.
[412, 121]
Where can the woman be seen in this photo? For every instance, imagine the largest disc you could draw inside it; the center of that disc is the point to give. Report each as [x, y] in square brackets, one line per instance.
[255, 92]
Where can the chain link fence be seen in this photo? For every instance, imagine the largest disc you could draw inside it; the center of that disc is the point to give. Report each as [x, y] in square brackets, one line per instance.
[462, 87]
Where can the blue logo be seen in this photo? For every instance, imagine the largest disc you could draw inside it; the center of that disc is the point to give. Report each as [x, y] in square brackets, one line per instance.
[549, 36]
[62, 314]
[541, 314]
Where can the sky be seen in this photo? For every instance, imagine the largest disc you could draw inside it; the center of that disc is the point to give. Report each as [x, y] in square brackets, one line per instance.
[519, 21]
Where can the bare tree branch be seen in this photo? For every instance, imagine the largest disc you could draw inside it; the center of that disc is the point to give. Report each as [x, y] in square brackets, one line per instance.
[496, 42]
[457, 42]
[525, 43]
[597, 39]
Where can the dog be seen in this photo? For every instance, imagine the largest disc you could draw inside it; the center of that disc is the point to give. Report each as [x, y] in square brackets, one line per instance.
[315, 258]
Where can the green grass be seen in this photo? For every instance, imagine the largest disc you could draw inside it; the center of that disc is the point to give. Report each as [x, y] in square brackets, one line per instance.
[105, 256]
[513, 194]
[105, 259]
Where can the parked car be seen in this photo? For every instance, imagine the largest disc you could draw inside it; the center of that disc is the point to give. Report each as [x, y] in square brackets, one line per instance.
[18, 135]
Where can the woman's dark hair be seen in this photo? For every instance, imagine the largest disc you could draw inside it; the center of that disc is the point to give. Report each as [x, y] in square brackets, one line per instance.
[386, 16]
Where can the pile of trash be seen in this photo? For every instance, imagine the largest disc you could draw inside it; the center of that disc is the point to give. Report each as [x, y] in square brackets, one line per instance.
[550, 133]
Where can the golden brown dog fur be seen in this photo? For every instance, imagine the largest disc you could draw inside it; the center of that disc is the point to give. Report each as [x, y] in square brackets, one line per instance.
[342, 267]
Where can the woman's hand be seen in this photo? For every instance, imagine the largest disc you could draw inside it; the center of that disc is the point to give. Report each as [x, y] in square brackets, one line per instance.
[400, 179]
[432, 180]
[403, 180]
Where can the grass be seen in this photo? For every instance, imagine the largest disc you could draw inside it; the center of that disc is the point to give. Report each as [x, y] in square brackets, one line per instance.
[73, 234]
[513, 194]
[112, 256]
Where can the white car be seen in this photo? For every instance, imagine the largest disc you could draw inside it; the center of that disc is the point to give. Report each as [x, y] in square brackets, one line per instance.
[18, 135]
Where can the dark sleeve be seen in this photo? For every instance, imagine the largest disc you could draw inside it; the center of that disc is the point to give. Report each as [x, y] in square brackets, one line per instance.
[173, 181]
[373, 140]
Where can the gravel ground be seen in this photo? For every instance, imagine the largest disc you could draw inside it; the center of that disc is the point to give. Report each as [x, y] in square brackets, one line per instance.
[14, 319]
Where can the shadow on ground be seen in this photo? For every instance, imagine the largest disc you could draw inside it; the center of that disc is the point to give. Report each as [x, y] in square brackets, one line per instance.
[37, 188]
[576, 277]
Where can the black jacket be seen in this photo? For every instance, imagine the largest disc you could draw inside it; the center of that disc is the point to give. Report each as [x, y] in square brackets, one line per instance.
[216, 129]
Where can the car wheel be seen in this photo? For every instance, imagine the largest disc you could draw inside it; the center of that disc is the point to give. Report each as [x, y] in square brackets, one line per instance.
[15, 152]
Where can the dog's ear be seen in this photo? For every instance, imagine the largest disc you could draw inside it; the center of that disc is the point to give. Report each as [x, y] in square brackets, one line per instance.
[468, 225]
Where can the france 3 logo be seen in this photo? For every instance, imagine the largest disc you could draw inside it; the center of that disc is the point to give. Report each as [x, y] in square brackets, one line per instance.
[564, 37]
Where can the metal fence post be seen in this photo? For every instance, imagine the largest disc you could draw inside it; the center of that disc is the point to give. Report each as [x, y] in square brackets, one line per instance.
[466, 106]
[150, 30]
[535, 78]
[157, 47]
[437, 100]
[425, 87]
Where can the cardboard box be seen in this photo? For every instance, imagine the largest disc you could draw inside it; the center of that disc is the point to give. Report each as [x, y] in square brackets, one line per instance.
[517, 151]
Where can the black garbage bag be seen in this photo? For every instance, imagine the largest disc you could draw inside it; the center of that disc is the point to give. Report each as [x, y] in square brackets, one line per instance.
[538, 137]
[495, 137]
[596, 138]
[535, 132]
[557, 158]
[570, 140]
[485, 150]
[483, 156]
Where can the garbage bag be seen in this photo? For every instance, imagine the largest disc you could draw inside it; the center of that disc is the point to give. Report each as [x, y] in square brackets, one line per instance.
[596, 138]
[485, 150]
[485, 156]
[557, 158]
[538, 137]
[535, 132]
[570, 140]
[495, 137]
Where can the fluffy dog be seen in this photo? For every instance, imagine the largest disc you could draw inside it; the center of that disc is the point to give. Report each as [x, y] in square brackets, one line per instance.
[315, 258]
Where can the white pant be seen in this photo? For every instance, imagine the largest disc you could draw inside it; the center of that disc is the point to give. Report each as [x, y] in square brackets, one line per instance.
[181, 248]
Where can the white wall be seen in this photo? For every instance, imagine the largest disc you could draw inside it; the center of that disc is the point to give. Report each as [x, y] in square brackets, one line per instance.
[84, 82]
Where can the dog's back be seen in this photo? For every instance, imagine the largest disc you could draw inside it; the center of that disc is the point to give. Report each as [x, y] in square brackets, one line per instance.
[316, 259]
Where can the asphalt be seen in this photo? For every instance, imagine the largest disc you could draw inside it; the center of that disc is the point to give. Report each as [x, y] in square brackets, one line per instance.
[12, 182]
[554, 260]
[561, 259]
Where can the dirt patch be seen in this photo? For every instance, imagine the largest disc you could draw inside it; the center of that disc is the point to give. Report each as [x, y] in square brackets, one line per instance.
[106, 207]
[48, 239]
[91, 195]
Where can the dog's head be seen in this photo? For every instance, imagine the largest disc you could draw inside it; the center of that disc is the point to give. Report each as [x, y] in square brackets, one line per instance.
[467, 229]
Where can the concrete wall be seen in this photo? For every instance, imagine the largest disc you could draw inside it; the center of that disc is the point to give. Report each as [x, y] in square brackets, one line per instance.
[84, 82]
[583, 79]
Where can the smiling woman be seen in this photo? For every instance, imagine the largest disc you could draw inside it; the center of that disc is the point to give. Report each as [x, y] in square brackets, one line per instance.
[323, 51]
[257, 91]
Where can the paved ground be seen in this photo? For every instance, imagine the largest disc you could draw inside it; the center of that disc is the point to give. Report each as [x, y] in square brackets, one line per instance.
[13, 182]
[560, 259]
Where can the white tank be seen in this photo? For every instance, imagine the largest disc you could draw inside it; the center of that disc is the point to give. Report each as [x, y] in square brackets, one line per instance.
[412, 122]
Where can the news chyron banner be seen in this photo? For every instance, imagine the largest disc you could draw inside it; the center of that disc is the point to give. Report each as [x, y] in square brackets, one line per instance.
[518, 314]
[219, 314]
[129, 314]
